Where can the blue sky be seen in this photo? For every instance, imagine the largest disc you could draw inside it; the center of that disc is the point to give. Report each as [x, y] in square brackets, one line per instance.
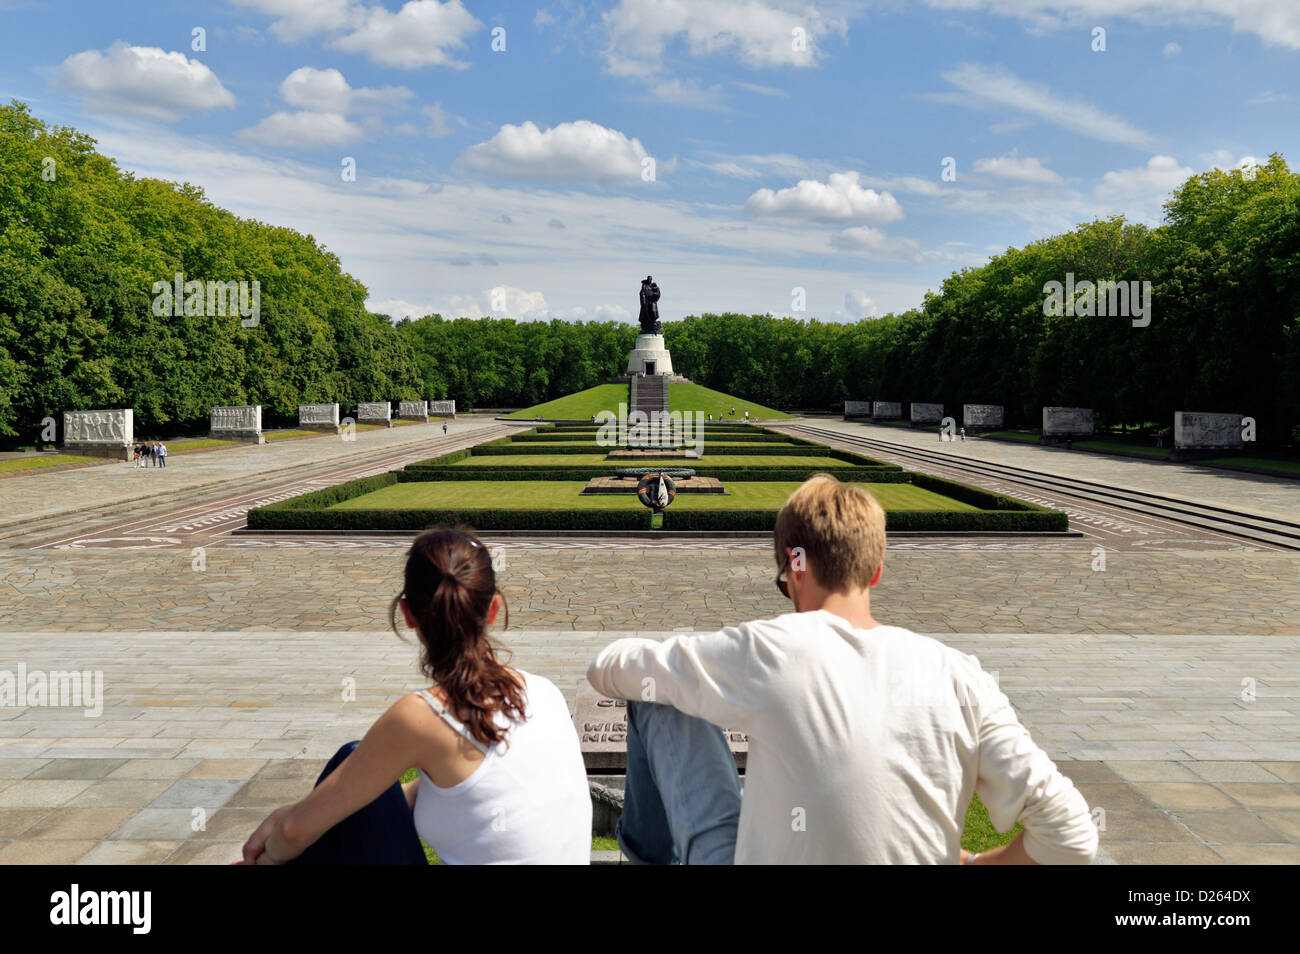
[738, 150]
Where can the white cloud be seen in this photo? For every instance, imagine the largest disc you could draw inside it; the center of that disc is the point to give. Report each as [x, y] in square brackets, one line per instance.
[1268, 96]
[996, 86]
[1172, 49]
[840, 198]
[758, 33]
[1275, 22]
[298, 19]
[440, 121]
[874, 243]
[543, 17]
[858, 305]
[398, 309]
[503, 301]
[326, 91]
[421, 33]
[142, 81]
[688, 93]
[761, 90]
[304, 130]
[580, 151]
[1019, 168]
[1159, 176]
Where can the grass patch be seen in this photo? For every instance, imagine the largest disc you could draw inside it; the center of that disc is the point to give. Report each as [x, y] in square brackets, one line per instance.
[1283, 468]
[201, 443]
[683, 397]
[578, 406]
[695, 397]
[554, 494]
[979, 833]
[1123, 447]
[598, 460]
[46, 460]
[285, 435]
[1024, 437]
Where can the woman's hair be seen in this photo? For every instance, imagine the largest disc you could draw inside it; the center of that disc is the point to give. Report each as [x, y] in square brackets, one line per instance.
[449, 585]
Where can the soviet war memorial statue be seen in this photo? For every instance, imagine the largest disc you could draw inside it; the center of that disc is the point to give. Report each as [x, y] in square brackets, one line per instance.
[649, 316]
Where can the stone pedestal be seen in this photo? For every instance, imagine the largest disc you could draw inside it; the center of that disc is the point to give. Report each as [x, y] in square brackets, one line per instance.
[1200, 434]
[378, 413]
[923, 414]
[104, 433]
[649, 356]
[1064, 424]
[239, 423]
[319, 417]
[413, 410]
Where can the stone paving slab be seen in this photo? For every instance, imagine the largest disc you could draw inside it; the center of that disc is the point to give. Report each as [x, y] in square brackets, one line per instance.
[246, 721]
[930, 591]
[1274, 496]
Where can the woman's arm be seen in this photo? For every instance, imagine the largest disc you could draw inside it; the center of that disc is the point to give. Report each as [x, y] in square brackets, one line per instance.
[394, 743]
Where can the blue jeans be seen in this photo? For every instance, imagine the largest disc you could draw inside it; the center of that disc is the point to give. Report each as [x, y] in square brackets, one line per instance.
[381, 833]
[682, 800]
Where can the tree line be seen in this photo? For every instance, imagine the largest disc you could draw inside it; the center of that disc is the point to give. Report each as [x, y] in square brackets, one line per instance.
[84, 244]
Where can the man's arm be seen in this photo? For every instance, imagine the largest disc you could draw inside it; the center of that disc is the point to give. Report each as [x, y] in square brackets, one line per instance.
[714, 676]
[1019, 783]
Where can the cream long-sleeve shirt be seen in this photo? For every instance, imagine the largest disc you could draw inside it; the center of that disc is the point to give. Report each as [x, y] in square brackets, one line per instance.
[864, 745]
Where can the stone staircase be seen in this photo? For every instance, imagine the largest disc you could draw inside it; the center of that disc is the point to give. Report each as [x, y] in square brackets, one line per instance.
[650, 394]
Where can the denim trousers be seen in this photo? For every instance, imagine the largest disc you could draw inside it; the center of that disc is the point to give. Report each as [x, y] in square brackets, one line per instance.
[681, 804]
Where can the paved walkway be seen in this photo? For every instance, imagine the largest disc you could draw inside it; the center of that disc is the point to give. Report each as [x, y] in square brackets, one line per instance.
[588, 585]
[1273, 496]
[72, 491]
[1165, 684]
[200, 735]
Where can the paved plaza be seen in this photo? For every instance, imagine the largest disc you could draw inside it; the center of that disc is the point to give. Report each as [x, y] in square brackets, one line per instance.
[1166, 684]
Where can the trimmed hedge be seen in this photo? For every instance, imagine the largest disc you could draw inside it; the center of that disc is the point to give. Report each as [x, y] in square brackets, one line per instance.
[478, 519]
[873, 475]
[1001, 521]
[975, 496]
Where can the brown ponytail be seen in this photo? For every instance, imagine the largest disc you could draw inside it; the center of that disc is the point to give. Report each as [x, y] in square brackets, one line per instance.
[449, 585]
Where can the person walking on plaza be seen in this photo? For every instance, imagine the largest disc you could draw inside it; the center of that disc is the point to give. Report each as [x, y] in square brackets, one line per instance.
[162, 454]
[501, 778]
[444, 427]
[963, 433]
[867, 742]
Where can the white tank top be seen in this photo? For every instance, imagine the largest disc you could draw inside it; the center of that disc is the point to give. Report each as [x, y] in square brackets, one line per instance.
[527, 802]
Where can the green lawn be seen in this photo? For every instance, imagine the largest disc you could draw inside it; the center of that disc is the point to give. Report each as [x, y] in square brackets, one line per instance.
[567, 494]
[1123, 447]
[682, 397]
[199, 443]
[696, 397]
[578, 406]
[37, 461]
[1025, 437]
[1285, 468]
[281, 435]
[716, 460]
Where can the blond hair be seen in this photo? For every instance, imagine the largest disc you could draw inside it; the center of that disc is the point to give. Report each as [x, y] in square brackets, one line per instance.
[840, 528]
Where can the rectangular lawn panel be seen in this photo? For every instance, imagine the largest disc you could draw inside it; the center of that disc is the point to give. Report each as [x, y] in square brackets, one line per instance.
[570, 460]
[553, 494]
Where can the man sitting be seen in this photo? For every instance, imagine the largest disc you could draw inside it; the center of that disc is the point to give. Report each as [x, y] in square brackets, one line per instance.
[866, 741]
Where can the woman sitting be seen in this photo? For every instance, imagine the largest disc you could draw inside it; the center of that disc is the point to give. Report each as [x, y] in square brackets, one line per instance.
[501, 778]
